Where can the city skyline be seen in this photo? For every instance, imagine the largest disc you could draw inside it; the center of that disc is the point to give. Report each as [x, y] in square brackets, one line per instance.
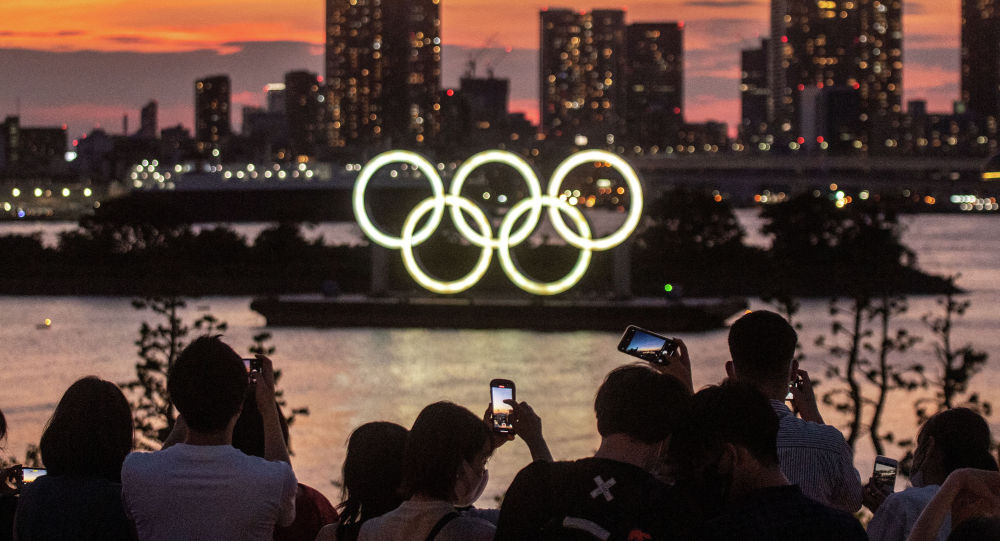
[85, 88]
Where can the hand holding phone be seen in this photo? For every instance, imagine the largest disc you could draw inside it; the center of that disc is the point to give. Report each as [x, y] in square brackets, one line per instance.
[884, 474]
[647, 345]
[254, 367]
[502, 390]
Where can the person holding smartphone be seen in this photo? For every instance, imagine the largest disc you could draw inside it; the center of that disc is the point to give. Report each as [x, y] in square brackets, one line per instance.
[813, 455]
[950, 440]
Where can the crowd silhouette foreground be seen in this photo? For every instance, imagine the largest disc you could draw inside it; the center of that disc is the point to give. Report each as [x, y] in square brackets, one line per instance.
[729, 462]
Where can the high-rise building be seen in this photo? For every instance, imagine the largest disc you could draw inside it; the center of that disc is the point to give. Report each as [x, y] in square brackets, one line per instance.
[148, 128]
[654, 83]
[305, 111]
[275, 94]
[30, 149]
[835, 43]
[754, 95]
[383, 70]
[211, 113]
[582, 60]
[981, 57]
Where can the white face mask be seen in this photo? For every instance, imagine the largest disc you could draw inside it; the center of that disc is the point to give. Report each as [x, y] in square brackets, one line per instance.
[473, 489]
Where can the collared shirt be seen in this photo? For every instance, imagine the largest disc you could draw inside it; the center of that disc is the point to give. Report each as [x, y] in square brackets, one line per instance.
[817, 459]
[896, 516]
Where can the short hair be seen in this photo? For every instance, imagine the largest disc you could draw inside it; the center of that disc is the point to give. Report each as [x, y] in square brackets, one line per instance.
[732, 413]
[962, 438]
[248, 434]
[207, 384]
[638, 401]
[90, 431]
[762, 345]
[443, 437]
[373, 471]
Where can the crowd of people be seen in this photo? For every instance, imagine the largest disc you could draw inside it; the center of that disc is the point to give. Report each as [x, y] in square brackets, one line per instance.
[731, 461]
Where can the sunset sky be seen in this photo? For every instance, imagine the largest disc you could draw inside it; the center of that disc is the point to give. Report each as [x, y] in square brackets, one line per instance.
[87, 62]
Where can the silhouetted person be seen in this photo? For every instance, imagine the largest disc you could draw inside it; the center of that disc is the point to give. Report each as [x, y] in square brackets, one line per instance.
[312, 509]
[951, 439]
[373, 473]
[615, 491]
[726, 451]
[444, 467]
[812, 455]
[83, 447]
[204, 488]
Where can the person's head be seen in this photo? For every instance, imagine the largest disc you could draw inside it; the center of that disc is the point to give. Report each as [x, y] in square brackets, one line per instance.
[637, 401]
[90, 432]
[208, 383]
[446, 454]
[248, 433]
[952, 439]
[728, 439]
[373, 471]
[762, 345]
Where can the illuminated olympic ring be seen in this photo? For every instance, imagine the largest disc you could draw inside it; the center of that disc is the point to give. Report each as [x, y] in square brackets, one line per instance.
[508, 237]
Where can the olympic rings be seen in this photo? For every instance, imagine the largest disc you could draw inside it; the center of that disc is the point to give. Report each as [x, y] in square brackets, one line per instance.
[507, 236]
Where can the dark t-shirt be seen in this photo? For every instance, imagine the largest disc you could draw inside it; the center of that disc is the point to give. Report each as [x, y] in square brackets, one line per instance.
[563, 500]
[783, 514]
[65, 507]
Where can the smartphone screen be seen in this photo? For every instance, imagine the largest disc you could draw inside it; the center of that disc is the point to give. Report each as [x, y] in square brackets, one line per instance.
[885, 473]
[646, 345]
[31, 474]
[501, 390]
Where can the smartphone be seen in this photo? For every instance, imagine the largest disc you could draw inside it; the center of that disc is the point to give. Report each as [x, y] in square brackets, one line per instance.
[884, 475]
[253, 367]
[647, 345]
[794, 384]
[26, 476]
[500, 390]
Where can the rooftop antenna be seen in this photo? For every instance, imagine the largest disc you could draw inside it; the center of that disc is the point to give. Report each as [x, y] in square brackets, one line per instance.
[17, 107]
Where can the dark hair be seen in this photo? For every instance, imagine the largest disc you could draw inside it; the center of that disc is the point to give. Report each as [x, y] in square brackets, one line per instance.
[90, 432]
[762, 345]
[207, 384]
[976, 529]
[443, 437]
[373, 471]
[734, 413]
[3, 426]
[962, 438]
[248, 434]
[640, 402]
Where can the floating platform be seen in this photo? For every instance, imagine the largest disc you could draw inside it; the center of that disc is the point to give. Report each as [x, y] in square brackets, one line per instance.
[689, 315]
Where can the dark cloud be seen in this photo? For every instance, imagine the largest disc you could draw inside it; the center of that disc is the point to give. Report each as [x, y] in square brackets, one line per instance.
[35, 34]
[939, 57]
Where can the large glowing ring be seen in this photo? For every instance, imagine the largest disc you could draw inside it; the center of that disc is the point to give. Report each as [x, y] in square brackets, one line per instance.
[530, 178]
[365, 176]
[581, 238]
[507, 262]
[413, 266]
[634, 191]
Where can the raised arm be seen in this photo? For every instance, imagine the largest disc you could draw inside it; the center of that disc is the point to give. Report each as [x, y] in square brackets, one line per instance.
[274, 442]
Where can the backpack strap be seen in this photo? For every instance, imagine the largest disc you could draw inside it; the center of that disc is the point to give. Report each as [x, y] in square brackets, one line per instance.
[441, 524]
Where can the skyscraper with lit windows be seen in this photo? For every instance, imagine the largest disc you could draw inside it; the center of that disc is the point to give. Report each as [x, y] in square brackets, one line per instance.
[654, 83]
[582, 61]
[841, 44]
[383, 72]
[212, 123]
[981, 57]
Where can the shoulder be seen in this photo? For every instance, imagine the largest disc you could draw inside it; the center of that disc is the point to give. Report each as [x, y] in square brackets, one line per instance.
[794, 432]
[468, 528]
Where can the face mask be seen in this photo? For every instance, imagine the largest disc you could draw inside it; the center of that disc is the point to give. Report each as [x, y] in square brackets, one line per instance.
[473, 491]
